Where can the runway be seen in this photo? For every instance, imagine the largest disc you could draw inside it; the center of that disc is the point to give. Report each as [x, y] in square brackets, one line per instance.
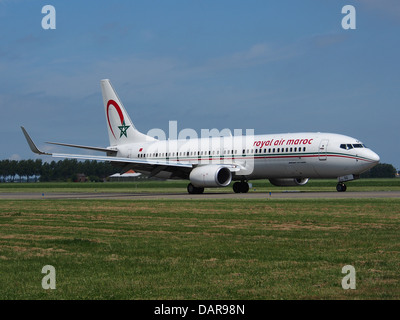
[186, 196]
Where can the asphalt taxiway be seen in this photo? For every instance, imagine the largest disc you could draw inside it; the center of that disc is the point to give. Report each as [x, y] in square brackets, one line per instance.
[186, 196]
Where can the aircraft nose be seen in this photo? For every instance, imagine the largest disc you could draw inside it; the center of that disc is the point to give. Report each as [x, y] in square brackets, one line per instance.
[374, 157]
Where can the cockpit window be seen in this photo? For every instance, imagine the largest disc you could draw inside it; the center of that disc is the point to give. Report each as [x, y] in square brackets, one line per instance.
[351, 146]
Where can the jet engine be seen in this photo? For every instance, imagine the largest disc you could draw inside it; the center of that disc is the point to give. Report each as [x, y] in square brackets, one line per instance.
[212, 175]
[289, 182]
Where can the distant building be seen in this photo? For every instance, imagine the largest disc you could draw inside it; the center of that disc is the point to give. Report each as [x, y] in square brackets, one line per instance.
[80, 177]
[127, 176]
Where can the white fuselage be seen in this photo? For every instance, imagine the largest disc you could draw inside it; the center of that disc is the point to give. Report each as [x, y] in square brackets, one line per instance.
[285, 159]
[290, 155]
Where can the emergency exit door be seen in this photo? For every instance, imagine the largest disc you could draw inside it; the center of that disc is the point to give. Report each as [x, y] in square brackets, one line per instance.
[323, 150]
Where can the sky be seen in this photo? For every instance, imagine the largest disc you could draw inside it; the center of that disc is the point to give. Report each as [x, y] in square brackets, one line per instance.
[273, 66]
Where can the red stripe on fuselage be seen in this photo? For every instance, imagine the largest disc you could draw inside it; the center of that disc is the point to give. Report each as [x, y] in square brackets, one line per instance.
[266, 157]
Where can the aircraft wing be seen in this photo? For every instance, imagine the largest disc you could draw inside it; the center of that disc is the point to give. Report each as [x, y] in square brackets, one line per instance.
[120, 159]
[108, 150]
[32, 144]
[151, 167]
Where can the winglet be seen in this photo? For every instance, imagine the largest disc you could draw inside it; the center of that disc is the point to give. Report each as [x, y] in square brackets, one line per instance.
[32, 144]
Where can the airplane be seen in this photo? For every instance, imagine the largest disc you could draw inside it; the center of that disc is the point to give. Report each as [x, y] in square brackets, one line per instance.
[287, 159]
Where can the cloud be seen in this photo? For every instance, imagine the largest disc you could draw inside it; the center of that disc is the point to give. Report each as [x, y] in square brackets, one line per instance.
[327, 40]
[385, 8]
[15, 157]
[257, 54]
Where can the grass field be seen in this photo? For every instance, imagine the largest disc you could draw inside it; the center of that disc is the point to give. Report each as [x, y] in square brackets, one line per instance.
[214, 249]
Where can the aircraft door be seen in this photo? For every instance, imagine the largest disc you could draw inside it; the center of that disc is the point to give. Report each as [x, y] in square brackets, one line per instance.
[323, 150]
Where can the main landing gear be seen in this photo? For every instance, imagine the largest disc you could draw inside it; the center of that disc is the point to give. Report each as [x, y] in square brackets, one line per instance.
[194, 190]
[241, 187]
[341, 187]
[238, 187]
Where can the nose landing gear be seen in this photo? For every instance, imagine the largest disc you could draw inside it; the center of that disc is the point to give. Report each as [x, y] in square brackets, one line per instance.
[341, 187]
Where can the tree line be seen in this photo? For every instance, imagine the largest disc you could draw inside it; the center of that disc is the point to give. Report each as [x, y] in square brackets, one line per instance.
[68, 170]
[63, 170]
[381, 170]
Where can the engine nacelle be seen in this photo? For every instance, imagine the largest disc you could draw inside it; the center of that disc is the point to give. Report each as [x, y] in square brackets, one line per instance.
[212, 175]
[288, 182]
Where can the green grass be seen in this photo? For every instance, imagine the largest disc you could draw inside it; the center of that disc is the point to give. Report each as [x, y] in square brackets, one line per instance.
[203, 249]
[179, 186]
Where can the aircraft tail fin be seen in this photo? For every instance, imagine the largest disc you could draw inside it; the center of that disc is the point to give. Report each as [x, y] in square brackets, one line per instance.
[120, 127]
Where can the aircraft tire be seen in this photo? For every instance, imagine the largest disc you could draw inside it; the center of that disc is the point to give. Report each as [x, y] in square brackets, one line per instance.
[241, 187]
[341, 187]
[236, 187]
[244, 187]
[194, 190]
